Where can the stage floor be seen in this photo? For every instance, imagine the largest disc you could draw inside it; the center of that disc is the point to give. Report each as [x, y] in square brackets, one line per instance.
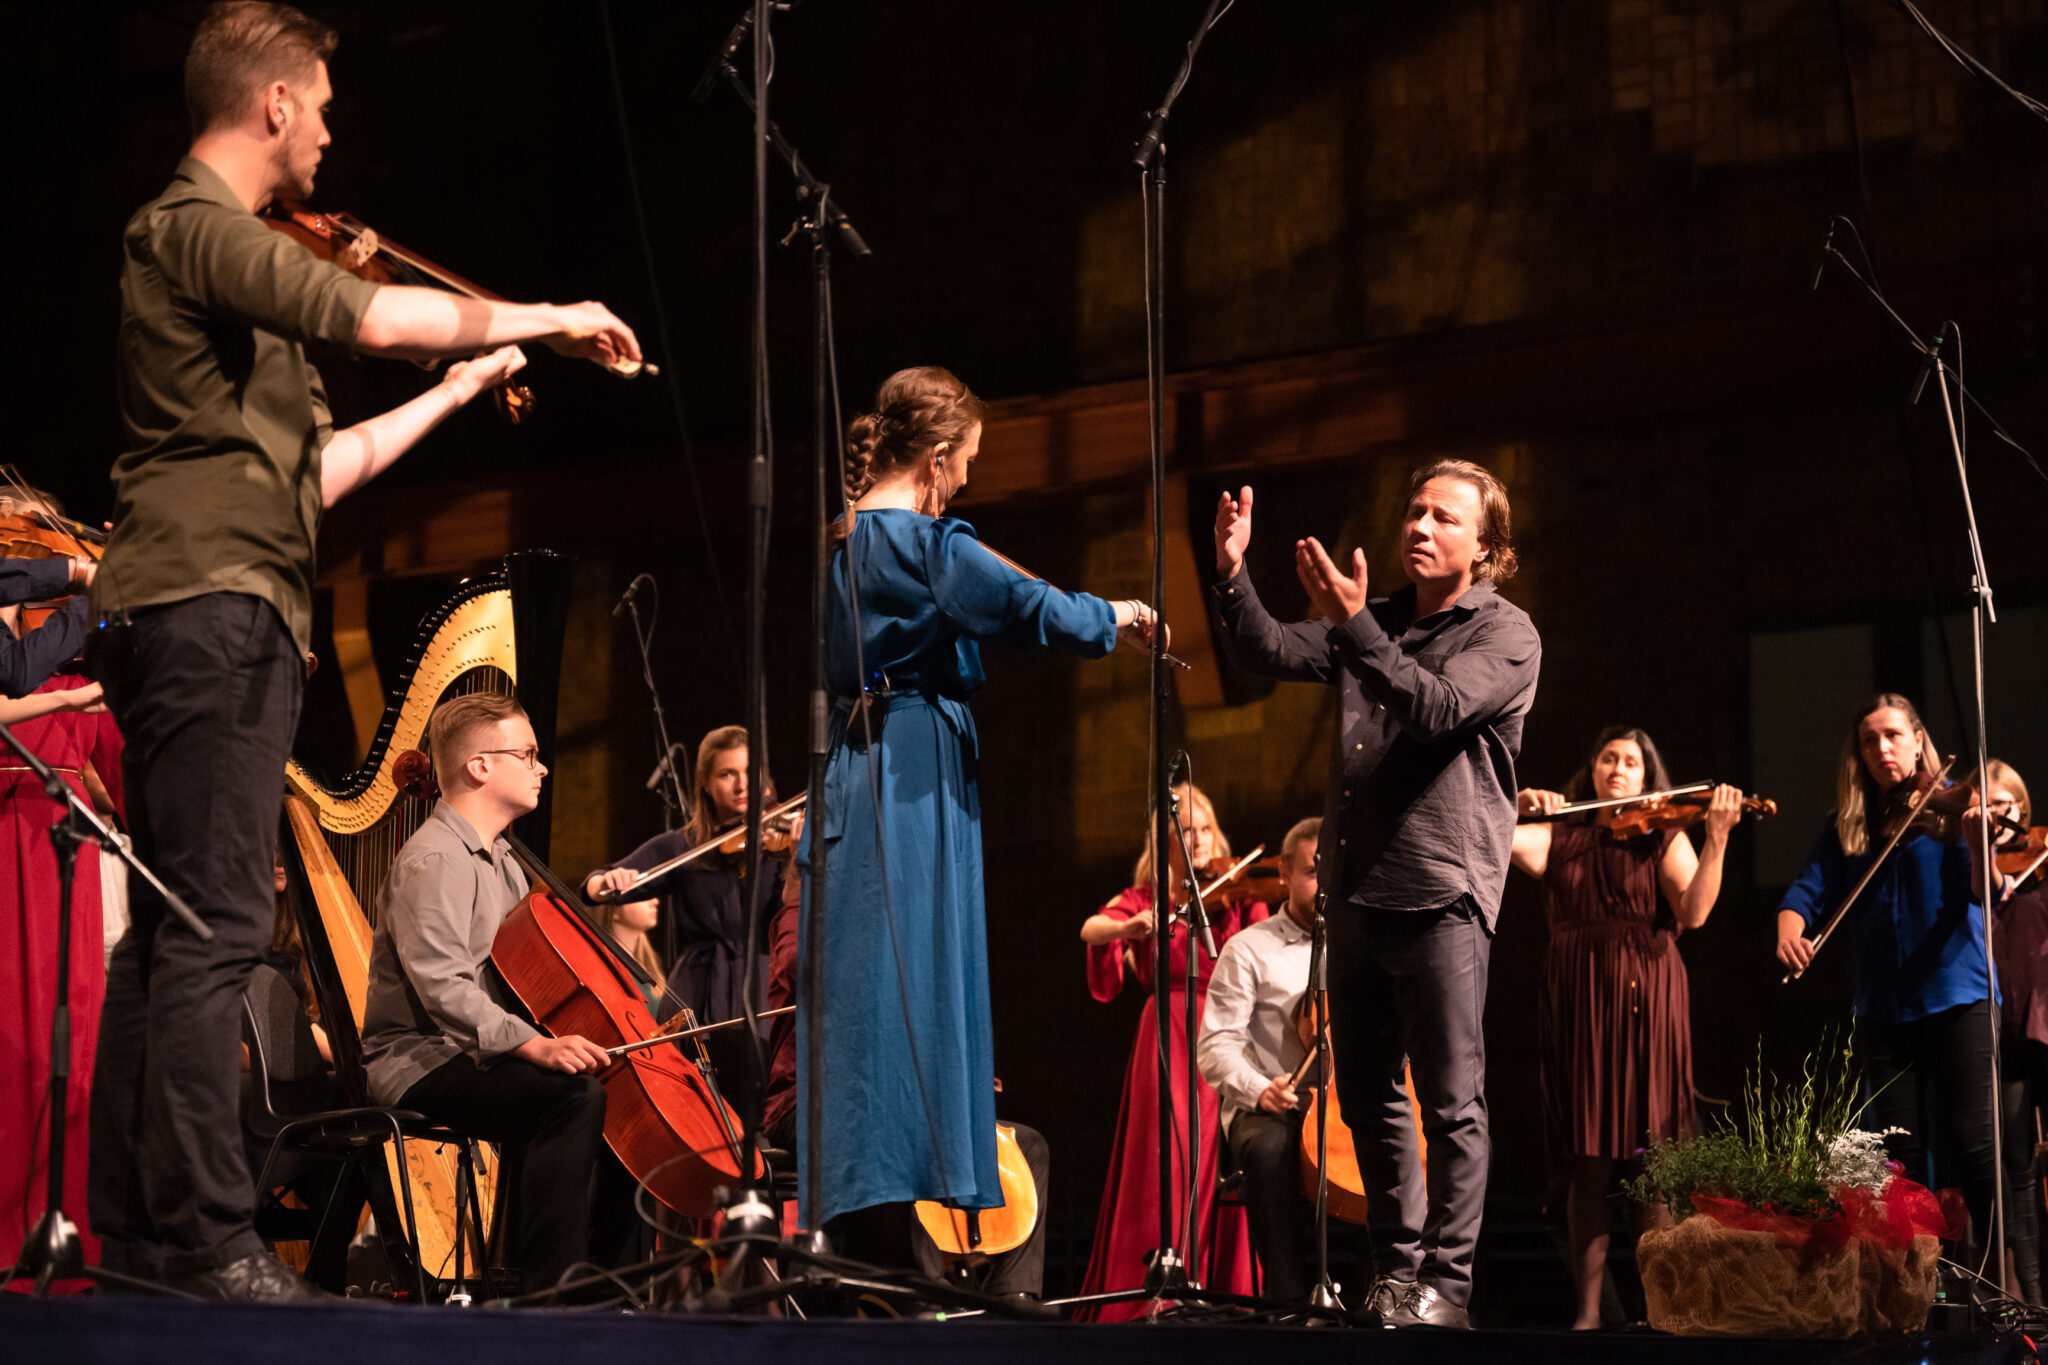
[127, 1331]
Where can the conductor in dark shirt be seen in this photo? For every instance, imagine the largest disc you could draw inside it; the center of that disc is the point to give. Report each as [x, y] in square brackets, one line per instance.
[1432, 685]
[206, 595]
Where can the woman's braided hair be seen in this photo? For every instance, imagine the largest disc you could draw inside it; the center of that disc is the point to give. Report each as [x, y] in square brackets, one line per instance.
[915, 410]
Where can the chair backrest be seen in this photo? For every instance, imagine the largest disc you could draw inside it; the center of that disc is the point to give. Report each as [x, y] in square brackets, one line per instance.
[281, 1046]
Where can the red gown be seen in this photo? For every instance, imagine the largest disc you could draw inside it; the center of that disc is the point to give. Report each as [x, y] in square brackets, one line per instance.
[1128, 1225]
[28, 966]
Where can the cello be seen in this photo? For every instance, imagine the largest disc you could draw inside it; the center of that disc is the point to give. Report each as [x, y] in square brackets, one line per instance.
[664, 1116]
[1347, 1199]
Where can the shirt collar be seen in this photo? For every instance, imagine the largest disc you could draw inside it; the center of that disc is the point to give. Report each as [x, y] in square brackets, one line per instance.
[1469, 601]
[465, 831]
[208, 182]
[1289, 930]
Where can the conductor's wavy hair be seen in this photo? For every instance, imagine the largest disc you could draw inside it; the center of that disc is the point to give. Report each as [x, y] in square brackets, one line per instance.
[1496, 518]
[916, 410]
[243, 45]
[1856, 794]
[1192, 799]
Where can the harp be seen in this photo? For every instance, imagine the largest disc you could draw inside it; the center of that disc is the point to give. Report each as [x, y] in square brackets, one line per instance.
[498, 632]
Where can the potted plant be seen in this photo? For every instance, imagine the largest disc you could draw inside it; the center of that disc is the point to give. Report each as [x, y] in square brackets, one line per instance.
[1789, 1221]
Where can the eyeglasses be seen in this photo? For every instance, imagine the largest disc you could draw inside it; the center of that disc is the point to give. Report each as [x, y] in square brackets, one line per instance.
[530, 755]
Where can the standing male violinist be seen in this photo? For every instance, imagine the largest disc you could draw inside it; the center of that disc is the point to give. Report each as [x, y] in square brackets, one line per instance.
[206, 596]
[1432, 687]
[1249, 1053]
[435, 1039]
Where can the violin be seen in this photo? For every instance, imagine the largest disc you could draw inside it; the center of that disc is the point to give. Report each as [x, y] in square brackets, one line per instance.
[1625, 817]
[361, 250]
[31, 529]
[1926, 803]
[778, 833]
[1245, 881]
[2026, 856]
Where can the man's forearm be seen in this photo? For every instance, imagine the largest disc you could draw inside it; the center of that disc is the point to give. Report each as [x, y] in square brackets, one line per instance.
[360, 453]
[424, 324]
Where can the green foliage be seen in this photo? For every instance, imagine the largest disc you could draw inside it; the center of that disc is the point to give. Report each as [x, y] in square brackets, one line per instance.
[1771, 1157]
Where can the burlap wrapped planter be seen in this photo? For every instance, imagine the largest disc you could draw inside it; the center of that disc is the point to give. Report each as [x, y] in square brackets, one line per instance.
[1703, 1279]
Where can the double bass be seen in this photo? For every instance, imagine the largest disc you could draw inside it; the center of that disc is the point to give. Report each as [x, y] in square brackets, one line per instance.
[1347, 1198]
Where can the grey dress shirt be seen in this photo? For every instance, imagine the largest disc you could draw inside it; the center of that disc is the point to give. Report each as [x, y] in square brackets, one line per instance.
[429, 1002]
[1429, 721]
[1248, 1034]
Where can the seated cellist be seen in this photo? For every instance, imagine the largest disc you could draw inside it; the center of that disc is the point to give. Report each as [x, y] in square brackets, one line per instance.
[1249, 1051]
[435, 1039]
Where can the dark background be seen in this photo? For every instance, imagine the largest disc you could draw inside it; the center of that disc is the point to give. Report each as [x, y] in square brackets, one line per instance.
[1575, 238]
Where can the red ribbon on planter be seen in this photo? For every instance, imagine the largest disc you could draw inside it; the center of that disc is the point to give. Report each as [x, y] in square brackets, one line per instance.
[1905, 1210]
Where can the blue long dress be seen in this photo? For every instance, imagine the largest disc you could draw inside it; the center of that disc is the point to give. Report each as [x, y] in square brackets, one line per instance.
[907, 1075]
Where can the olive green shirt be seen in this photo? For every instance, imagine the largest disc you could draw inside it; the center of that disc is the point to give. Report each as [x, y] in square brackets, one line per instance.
[218, 489]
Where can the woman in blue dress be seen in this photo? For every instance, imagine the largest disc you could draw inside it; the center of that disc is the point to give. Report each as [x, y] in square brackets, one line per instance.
[1923, 997]
[903, 1088]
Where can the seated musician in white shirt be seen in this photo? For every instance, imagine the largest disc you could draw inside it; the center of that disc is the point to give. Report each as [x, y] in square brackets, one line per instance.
[1249, 1051]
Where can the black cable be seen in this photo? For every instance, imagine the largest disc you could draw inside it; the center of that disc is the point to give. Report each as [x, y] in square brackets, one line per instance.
[1969, 63]
[668, 354]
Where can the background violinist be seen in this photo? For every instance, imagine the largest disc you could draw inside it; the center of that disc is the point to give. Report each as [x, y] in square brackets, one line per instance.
[62, 722]
[229, 456]
[703, 911]
[1127, 1226]
[1923, 995]
[1614, 1020]
[2021, 951]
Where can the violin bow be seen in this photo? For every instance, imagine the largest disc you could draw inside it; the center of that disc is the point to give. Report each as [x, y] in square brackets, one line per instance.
[1580, 807]
[695, 1031]
[1919, 803]
[685, 858]
[1224, 876]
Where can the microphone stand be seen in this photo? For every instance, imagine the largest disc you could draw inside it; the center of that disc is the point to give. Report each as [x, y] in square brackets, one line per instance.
[1167, 1276]
[675, 804]
[1982, 616]
[52, 1250]
[1323, 1298]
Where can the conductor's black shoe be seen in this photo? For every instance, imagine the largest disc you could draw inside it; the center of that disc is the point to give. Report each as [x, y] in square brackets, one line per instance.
[1422, 1306]
[258, 1277]
[1382, 1301]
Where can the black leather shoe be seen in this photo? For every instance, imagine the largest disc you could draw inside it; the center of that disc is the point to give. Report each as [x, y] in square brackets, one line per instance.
[1422, 1306]
[1381, 1302]
[257, 1278]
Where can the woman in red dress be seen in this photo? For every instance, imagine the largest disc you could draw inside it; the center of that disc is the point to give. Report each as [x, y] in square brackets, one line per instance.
[65, 725]
[1614, 1030]
[1120, 950]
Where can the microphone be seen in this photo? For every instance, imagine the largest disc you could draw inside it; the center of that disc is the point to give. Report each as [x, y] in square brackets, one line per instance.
[1929, 359]
[1820, 259]
[665, 767]
[632, 591]
[708, 82]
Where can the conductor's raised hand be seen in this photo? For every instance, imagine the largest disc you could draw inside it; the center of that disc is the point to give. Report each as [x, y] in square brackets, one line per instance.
[589, 331]
[1233, 531]
[1336, 596]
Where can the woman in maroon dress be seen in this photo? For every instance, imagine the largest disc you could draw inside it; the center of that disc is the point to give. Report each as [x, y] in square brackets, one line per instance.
[1120, 949]
[2021, 948]
[65, 725]
[1614, 1029]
